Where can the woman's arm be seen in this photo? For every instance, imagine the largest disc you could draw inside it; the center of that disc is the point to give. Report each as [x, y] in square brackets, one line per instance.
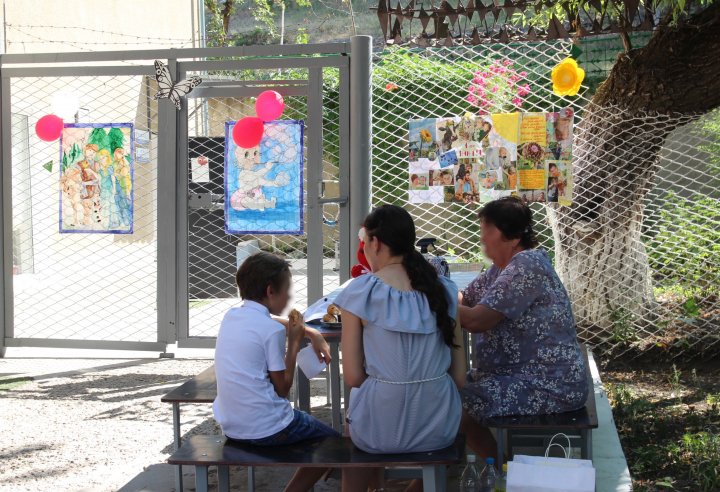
[458, 364]
[352, 349]
[479, 318]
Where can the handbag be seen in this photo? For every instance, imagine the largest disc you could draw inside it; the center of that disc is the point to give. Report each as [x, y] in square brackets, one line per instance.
[544, 474]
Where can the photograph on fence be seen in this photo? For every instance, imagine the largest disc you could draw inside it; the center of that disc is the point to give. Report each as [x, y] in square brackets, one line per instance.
[491, 156]
[263, 184]
[96, 178]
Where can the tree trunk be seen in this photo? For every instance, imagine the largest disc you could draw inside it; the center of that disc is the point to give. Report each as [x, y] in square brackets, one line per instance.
[649, 92]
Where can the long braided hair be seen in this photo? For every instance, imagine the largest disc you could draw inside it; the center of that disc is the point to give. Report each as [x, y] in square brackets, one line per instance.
[394, 227]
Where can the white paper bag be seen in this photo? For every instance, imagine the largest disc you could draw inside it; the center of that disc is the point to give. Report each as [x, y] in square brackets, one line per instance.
[543, 474]
[308, 362]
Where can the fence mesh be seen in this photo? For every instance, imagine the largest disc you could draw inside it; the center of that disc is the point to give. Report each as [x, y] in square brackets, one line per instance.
[81, 286]
[640, 256]
[213, 254]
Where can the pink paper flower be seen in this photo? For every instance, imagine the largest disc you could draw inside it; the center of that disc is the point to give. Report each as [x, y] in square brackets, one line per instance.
[495, 87]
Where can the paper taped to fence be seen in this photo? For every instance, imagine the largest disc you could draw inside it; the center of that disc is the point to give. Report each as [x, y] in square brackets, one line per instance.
[473, 158]
[96, 178]
[263, 185]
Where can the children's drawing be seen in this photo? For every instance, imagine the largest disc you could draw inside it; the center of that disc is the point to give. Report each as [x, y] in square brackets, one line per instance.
[96, 178]
[263, 185]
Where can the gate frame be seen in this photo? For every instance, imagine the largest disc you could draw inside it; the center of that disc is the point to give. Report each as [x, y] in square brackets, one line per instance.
[353, 61]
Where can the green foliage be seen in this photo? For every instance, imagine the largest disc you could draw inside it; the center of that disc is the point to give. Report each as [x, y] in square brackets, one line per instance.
[116, 139]
[686, 248]
[710, 129]
[622, 319]
[421, 93]
[219, 12]
[99, 137]
[704, 448]
[259, 35]
[302, 36]
[69, 158]
[674, 446]
[214, 29]
[671, 11]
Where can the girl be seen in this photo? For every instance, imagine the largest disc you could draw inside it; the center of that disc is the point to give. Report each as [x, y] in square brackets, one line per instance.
[399, 346]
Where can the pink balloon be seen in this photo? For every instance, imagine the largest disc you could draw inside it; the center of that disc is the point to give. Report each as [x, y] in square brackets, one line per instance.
[49, 127]
[248, 132]
[269, 106]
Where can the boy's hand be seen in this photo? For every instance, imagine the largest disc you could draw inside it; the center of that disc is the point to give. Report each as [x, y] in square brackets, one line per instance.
[296, 327]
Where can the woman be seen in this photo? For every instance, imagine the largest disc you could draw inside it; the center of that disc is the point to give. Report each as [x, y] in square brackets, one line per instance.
[399, 347]
[528, 360]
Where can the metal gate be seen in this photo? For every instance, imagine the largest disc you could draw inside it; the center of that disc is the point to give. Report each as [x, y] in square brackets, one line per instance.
[172, 279]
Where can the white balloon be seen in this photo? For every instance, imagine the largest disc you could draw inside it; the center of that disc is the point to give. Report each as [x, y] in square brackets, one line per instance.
[65, 105]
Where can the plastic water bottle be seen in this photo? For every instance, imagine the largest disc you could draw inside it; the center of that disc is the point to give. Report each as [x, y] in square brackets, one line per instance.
[489, 476]
[501, 482]
[470, 478]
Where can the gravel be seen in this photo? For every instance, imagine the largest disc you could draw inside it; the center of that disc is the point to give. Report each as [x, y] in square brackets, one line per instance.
[98, 424]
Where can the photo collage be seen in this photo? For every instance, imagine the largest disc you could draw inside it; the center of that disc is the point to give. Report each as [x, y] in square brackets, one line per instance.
[476, 159]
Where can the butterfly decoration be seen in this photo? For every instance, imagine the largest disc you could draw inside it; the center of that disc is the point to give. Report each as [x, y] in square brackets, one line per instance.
[173, 90]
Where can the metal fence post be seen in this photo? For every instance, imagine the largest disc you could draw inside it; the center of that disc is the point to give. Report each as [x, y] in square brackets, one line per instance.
[360, 138]
[6, 286]
[168, 169]
[314, 177]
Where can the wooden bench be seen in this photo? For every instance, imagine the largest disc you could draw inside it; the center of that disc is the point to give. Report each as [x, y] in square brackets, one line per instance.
[333, 452]
[576, 424]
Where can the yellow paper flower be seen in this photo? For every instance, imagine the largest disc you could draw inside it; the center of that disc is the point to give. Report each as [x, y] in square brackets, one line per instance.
[567, 77]
[425, 136]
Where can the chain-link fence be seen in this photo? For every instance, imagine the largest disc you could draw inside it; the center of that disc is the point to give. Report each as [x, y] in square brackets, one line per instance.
[214, 254]
[83, 286]
[101, 255]
[642, 265]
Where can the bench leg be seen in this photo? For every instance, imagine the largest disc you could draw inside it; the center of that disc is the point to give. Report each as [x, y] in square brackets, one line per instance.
[500, 438]
[176, 438]
[303, 390]
[335, 383]
[251, 479]
[201, 478]
[586, 444]
[434, 478]
[224, 478]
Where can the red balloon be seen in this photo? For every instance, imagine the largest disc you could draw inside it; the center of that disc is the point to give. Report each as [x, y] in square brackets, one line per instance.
[248, 132]
[49, 127]
[269, 106]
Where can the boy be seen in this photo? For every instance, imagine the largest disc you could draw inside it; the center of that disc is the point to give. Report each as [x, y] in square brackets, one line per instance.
[254, 372]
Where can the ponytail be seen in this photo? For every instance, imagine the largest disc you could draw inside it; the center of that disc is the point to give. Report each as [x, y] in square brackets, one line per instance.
[424, 278]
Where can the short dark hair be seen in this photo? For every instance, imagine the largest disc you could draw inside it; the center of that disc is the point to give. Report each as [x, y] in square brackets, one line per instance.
[259, 271]
[513, 218]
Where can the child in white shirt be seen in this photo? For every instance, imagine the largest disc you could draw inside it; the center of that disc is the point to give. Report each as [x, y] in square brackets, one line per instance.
[254, 371]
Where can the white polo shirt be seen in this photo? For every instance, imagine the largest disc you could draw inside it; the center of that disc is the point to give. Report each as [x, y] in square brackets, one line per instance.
[249, 345]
